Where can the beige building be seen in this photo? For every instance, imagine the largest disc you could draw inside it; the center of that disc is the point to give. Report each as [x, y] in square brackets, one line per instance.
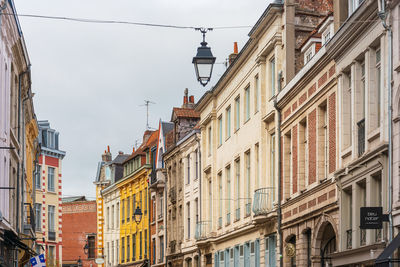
[48, 208]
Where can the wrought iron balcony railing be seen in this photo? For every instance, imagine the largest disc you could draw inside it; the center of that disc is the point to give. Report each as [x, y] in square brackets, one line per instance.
[349, 238]
[361, 137]
[29, 217]
[263, 201]
[203, 229]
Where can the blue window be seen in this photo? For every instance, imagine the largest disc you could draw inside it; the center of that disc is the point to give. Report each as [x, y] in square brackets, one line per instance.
[270, 254]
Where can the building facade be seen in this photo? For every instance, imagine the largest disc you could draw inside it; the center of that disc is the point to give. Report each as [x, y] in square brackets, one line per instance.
[158, 196]
[360, 51]
[48, 205]
[79, 231]
[180, 207]
[134, 195]
[308, 134]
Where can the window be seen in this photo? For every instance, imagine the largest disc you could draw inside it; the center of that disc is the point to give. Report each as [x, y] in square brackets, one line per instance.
[112, 216]
[38, 176]
[128, 248]
[196, 203]
[38, 216]
[197, 164]
[51, 255]
[326, 35]
[257, 156]
[153, 251]
[272, 71]
[117, 254]
[188, 169]
[270, 254]
[161, 210]
[248, 185]
[128, 209]
[188, 219]
[209, 140]
[145, 243]
[140, 200]
[346, 125]
[257, 94]
[153, 202]
[112, 253]
[161, 248]
[228, 194]
[134, 203]
[309, 54]
[353, 5]
[237, 113]
[51, 214]
[220, 130]
[50, 179]
[133, 247]
[108, 218]
[220, 200]
[145, 201]
[140, 245]
[303, 154]
[247, 99]
[272, 162]
[210, 195]
[123, 249]
[228, 122]
[123, 210]
[237, 188]
[117, 215]
[378, 85]
[91, 243]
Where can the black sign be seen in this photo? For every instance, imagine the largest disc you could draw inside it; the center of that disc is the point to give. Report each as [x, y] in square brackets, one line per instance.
[371, 218]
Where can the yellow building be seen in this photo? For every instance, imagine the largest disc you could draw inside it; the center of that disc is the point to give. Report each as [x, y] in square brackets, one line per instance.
[134, 236]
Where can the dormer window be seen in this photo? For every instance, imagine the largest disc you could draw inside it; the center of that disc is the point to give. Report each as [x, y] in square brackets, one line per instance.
[353, 5]
[327, 30]
[309, 54]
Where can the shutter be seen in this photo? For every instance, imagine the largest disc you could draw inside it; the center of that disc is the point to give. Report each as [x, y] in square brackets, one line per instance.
[257, 252]
[227, 259]
[216, 259]
[272, 252]
[236, 256]
[247, 254]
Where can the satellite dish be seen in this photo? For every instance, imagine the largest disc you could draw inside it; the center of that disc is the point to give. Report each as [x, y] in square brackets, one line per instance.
[99, 260]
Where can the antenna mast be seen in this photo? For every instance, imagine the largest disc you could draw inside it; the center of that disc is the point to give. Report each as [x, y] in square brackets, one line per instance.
[147, 104]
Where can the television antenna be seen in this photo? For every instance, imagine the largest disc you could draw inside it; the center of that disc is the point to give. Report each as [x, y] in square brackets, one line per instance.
[147, 103]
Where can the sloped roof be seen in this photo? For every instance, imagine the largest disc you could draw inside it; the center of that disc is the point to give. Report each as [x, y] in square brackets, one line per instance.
[120, 158]
[186, 113]
[166, 127]
[140, 151]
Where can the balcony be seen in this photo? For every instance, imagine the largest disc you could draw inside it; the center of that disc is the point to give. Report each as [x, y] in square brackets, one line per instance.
[361, 136]
[29, 219]
[203, 230]
[52, 236]
[172, 195]
[263, 204]
[349, 238]
[363, 237]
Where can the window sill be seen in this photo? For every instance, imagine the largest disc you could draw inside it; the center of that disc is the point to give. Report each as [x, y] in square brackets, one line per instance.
[346, 152]
[236, 130]
[52, 192]
[226, 139]
[246, 121]
[374, 134]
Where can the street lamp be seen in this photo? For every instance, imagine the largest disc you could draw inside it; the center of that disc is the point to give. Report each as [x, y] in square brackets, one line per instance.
[79, 261]
[204, 60]
[86, 248]
[138, 215]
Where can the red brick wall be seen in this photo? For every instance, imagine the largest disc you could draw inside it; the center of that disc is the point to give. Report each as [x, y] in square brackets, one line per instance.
[312, 152]
[51, 161]
[332, 132]
[321, 6]
[79, 219]
[294, 159]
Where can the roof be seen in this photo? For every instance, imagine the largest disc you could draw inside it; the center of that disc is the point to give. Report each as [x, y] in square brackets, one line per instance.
[166, 127]
[186, 113]
[120, 158]
[99, 165]
[73, 199]
[169, 140]
[315, 33]
[152, 140]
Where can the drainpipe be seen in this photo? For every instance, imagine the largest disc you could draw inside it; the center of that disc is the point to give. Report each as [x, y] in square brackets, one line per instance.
[199, 202]
[279, 211]
[165, 216]
[382, 15]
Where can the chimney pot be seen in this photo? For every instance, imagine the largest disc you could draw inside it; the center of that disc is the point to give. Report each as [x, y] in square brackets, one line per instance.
[191, 99]
[235, 48]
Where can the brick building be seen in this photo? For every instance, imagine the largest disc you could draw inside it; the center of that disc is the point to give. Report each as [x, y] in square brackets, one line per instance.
[79, 220]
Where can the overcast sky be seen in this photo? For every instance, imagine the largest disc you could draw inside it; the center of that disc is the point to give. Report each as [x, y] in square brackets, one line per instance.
[90, 80]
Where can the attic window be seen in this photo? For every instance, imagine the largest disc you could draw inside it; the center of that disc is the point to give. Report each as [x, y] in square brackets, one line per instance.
[309, 53]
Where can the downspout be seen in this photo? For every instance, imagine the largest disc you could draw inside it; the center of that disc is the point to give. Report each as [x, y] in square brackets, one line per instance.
[382, 15]
[199, 202]
[279, 210]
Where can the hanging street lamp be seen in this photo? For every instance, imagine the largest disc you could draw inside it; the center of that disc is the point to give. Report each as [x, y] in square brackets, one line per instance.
[204, 60]
[138, 215]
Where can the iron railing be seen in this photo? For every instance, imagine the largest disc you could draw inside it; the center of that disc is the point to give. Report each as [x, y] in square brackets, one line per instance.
[153, 176]
[203, 228]
[361, 137]
[349, 238]
[378, 235]
[363, 237]
[172, 195]
[29, 217]
[263, 200]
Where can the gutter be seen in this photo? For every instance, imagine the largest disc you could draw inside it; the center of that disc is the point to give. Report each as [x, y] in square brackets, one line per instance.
[279, 209]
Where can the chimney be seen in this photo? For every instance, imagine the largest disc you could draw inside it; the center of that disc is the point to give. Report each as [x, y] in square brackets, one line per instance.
[106, 157]
[191, 102]
[233, 56]
[146, 136]
[185, 98]
[120, 153]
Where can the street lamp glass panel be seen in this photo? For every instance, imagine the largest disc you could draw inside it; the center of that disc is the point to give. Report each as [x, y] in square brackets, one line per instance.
[138, 215]
[203, 63]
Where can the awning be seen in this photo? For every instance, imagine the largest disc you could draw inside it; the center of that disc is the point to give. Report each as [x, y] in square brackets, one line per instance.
[384, 259]
[12, 238]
